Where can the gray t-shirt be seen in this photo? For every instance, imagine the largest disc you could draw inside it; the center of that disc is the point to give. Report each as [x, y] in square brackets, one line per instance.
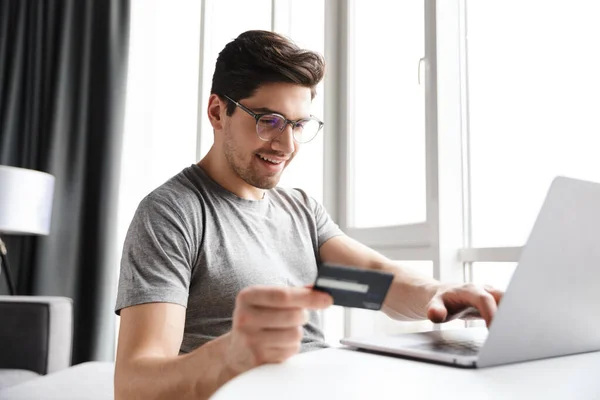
[193, 243]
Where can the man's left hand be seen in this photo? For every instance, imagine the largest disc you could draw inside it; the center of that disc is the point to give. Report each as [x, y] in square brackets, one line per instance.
[452, 299]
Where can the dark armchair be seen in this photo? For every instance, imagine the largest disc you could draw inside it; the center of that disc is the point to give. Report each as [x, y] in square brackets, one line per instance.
[35, 337]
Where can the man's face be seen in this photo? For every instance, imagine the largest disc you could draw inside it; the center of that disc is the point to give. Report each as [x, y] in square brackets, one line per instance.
[259, 163]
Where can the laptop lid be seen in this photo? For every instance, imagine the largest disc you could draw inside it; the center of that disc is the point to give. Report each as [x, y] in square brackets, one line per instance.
[552, 303]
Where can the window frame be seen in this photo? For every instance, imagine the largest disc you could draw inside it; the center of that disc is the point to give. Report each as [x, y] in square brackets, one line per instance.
[445, 238]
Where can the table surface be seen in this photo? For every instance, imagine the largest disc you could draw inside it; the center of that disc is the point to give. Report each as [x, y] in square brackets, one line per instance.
[344, 373]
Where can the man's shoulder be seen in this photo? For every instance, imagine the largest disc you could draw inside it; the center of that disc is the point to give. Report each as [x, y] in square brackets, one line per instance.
[180, 193]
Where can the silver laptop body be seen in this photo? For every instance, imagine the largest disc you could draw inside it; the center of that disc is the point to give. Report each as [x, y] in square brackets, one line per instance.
[552, 304]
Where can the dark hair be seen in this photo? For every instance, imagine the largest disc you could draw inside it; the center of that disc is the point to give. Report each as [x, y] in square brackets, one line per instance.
[258, 57]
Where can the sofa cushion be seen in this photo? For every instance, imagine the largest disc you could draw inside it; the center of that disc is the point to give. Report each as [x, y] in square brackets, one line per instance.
[11, 377]
[87, 381]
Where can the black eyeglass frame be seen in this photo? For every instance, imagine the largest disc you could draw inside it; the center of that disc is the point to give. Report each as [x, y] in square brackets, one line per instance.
[258, 116]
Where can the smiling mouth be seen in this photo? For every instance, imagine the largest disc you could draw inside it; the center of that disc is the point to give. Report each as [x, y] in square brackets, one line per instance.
[270, 160]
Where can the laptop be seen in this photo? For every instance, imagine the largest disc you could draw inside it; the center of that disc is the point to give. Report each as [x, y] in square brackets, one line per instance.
[552, 304]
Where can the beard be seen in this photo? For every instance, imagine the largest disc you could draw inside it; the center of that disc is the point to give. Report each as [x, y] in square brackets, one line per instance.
[246, 169]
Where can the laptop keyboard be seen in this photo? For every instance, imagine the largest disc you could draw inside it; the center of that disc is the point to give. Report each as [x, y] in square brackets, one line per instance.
[463, 348]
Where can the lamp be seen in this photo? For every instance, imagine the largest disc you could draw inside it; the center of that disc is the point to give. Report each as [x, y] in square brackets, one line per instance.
[25, 207]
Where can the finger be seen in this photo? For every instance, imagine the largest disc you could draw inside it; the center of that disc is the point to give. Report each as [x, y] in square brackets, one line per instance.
[497, 293]
[436, 311]
[284, 297]
[261, 317]
[279, 338]
[468, 313]
[480, 299]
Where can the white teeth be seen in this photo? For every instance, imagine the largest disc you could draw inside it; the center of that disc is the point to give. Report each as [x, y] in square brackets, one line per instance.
[269, 160]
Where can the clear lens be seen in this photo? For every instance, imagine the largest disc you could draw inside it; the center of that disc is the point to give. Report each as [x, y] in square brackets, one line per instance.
[270, 126]
[306, 130]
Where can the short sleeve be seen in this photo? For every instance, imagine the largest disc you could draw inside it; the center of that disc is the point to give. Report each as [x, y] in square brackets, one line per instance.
[326, 228]
[157, 259]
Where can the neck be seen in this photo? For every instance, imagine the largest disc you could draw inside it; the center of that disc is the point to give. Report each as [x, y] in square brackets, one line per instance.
[217, 168]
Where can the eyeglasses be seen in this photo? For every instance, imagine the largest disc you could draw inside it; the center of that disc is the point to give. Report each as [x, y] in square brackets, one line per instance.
[270, 125]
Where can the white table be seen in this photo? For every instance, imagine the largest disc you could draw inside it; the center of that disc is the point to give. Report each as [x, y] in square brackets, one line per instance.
[341, 373]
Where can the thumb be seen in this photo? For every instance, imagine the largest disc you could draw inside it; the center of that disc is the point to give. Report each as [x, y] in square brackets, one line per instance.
[436, 311]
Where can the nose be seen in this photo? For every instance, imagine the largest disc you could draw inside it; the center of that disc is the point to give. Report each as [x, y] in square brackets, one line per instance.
[285, 141]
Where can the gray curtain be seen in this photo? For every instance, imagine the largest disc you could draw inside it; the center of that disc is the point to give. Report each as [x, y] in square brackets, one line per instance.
[62, 91]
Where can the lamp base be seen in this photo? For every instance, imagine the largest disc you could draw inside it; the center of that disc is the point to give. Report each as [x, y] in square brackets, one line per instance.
[6, 269]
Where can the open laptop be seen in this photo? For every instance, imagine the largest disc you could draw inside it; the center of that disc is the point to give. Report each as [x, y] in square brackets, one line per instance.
[552, 304]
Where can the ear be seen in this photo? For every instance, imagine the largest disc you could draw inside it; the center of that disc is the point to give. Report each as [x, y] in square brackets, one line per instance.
[216, 111]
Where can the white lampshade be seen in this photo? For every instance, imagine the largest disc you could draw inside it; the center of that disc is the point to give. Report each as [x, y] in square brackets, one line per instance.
[25, 201]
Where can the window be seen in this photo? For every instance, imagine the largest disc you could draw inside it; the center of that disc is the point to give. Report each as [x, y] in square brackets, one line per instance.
[378, 107]
[388, 148]
[493, 273]
[512, 107]
[533, 105]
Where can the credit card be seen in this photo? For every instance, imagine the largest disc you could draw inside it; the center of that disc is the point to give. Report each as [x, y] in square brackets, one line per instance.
[353, 287]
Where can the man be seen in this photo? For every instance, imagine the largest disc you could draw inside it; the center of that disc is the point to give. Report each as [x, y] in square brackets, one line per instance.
[217, 261]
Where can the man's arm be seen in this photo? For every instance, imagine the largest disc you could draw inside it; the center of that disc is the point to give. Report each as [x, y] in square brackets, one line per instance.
[266, 328]
[412, 296]
[148, 365]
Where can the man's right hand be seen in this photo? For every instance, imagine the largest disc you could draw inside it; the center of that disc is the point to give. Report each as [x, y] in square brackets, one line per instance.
[267, 324]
